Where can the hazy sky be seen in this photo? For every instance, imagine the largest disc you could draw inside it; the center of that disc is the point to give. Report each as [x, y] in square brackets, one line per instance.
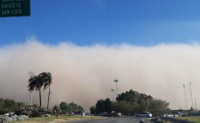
[150, 46]
[85, 74]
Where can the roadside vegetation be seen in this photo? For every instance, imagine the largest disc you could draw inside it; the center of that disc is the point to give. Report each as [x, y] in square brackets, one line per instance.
[9, 105]
[64, 108]
[130, 103]
[59, 119]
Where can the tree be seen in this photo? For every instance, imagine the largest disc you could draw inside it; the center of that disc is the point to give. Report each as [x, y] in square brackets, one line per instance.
[20, 104]
[103, 105]
[139, 101]
[144, 102]
[74, 106]
[100, 106]
[122, 106]
[93, 110]
[80, 108]
[131, 102]
[158, 107]
[9, 104]
[35, 83]
[65, 107]
[129, 96]
[1, 103]
[47, 81]
[56, 109]
[107, 104]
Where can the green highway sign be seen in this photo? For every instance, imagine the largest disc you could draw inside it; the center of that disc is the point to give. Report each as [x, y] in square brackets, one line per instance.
[13, 8]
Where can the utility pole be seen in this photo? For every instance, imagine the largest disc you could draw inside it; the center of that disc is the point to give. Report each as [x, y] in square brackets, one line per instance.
[116, 86]
[185, 96]
[190, 84]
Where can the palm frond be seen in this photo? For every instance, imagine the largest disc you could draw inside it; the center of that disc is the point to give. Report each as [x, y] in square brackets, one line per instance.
[46, 79]
[36, 82]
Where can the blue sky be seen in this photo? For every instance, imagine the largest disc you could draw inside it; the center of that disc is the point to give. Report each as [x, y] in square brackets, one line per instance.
[107, 22]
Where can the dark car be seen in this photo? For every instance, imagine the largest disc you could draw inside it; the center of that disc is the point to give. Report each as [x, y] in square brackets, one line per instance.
[79, 113]
[102, 114]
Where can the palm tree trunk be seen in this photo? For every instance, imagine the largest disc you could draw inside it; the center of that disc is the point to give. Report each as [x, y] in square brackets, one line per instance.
[48, 98]
[40, 97]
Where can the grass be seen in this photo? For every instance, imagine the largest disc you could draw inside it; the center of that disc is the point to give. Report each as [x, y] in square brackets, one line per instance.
[191, 118]
[195, 119]
[54, 119]
[163, 121]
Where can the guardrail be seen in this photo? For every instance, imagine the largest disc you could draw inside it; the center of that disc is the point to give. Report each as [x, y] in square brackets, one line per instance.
[174, 120]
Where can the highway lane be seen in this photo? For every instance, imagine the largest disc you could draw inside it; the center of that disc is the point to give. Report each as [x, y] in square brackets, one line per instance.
[112, 120]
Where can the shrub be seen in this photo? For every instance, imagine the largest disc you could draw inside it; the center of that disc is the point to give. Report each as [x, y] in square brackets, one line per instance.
[33, 111]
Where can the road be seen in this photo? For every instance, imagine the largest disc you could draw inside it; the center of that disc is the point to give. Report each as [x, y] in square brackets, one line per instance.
[113, 120]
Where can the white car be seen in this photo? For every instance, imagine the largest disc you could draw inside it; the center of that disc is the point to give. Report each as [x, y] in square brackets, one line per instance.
[9, 114]
[144, 114]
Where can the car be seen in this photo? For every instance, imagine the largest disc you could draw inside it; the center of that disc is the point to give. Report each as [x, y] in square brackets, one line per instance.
[79, 113]
[113, 114]
[144, 114]
[9, 114]
[6, 114]
[177, 113]
[87, 113]
[102, 114]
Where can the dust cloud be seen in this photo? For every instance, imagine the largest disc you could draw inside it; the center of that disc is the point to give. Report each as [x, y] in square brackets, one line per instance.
[84, 74]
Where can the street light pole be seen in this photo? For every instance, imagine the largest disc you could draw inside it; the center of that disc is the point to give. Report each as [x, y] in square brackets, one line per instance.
[116, 86]
[113, 94]
[190, 84]
[185, 96]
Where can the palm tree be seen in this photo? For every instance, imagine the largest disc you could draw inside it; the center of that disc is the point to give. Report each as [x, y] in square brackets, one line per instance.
[35, 83]
[47, 81]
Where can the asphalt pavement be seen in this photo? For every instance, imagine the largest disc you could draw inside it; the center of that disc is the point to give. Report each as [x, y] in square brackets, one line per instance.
[113, 120]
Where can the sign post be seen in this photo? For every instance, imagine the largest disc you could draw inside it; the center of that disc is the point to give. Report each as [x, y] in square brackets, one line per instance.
[14, 8]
